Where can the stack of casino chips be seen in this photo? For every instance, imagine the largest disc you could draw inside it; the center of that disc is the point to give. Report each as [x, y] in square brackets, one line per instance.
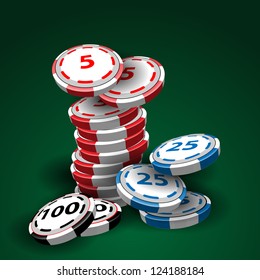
[108, 139]
[111, 138]
[110, 122]
[110, 134]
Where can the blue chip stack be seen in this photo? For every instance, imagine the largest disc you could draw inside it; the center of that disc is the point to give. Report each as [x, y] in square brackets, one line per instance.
[157, 191]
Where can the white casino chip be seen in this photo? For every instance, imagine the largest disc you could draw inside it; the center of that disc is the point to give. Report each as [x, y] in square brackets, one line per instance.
[63, 219]
[141, 81]
[87, 70]
[185, 154]
[143, 188]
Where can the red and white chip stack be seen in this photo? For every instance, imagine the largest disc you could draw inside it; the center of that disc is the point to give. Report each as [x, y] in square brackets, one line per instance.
[110, 124]
[108, 141]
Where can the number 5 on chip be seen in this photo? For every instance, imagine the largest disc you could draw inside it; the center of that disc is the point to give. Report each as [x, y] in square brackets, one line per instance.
[141, 81]
[87, 70]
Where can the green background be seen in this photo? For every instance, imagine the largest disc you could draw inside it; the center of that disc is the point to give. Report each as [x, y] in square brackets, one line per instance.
[210, 53]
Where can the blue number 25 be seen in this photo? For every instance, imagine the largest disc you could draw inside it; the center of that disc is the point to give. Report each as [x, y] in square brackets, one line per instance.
[157, 177]
[188, 146]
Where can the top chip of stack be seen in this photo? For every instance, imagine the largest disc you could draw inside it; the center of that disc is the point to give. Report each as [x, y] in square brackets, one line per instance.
[87, 70]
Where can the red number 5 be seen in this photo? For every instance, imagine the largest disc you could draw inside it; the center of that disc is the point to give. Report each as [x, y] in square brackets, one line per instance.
[129, 73]
[90, 62]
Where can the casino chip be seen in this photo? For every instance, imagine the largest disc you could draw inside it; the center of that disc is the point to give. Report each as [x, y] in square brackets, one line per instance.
[121, 132]
[141, 187]
[93, 114]
[63, 219]
[141, 81]
[92, 180]
[108, 146]
[194, 209]
[85, 166]
[96, 191]
[108, 215]
[118, 156]
[185, 154]
[87, 70]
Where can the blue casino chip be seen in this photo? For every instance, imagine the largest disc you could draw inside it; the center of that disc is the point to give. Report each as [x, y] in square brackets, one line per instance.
[186, 154]
[194, 209]
[143, 188]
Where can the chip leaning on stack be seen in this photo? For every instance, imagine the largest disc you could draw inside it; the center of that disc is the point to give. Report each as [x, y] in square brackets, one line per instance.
[110, 134]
